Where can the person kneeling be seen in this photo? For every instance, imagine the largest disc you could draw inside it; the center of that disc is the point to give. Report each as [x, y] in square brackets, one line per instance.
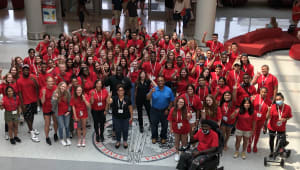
[208, 142]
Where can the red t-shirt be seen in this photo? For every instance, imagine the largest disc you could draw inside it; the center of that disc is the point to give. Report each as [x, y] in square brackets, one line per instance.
[152, 69]
[80, 107]
[232, 57]
[42, 46]
[234, 77]
[47, 57]
[182, 84]
[4, 85]
[119, 42]
[167, 73]
[27, 88]
[202, 92]
[261, 107]
[136, 43]
[99, 99]
[245, 121]
[269, 82]
[29, 61]
[215, 47]
[249, 69]
[63, 106]
[227, 111]
[285, 111]
[179, 125]
[11, 104]
[66, 78]
[193, 102]
[47, 106]
[89, 82]
[222, 90]
[218, 116]
[134, 75]
[206, 141]
[42, 79]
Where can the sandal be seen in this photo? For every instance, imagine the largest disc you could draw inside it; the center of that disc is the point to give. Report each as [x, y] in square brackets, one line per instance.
[117, 145]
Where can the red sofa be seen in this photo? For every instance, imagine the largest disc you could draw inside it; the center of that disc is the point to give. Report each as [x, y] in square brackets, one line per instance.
[263, 40]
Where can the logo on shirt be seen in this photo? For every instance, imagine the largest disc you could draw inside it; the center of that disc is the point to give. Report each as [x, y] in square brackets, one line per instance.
[140, 147]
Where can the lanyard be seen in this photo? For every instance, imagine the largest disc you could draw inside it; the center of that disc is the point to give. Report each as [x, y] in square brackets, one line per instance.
[236, 78]
[260, 104]
[203, 93]
[226, 108]
[12, 104]
[264, 79]
[216, 47]
[152, 69]
[177, 116]
[121, 103]
[188, 99]
[280, 111]
[245, 68]
[100, 95]
[31, 62]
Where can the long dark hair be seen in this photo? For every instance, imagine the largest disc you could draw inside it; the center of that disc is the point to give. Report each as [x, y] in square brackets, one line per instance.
[9, 87]
[139, 77]
[183, 109]
[223, 99]
[243, 109]
[213, 109]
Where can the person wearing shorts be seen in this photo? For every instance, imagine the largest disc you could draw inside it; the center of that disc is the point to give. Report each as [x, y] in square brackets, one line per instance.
[11, 104]
[245, 126]
[132, 13]
[117, 8]
[28, 93]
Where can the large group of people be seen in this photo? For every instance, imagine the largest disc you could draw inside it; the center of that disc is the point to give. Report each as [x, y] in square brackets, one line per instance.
[80, 78]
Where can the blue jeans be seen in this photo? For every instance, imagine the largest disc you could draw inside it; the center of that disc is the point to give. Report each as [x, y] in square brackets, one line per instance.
[187, 17]
[63, 122]
[122, 127]
[132, 94]
[158, 116]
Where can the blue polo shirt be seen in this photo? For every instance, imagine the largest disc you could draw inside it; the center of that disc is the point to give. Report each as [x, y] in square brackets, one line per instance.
[162, 98]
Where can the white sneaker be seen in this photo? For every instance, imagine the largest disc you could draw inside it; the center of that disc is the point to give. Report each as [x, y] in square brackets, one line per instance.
[176, 157]
[36, 132]
[79, 143]
[6, 137]
[33, 137]
[63, 142]
[69, 142]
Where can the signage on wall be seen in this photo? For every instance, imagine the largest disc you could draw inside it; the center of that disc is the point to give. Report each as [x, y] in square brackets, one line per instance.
[49, 12]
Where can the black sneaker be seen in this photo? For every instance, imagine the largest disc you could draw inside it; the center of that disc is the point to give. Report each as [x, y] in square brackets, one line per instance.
[142, 129]
[55, 137]
[17, 139]
[12, 141]
[97, 138]
[101, 138]
[48, 141]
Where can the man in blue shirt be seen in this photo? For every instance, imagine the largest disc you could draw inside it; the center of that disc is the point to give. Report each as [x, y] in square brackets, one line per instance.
[162, 100]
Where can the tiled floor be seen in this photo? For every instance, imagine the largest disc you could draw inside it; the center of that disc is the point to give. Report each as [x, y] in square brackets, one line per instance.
[229, 23]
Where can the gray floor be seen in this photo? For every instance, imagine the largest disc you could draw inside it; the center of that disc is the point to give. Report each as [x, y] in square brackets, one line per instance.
[10, 163]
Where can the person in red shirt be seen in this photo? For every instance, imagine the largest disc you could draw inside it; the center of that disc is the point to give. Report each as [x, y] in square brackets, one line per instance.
[152, 67]
[246, 66]
[118, 41]
[183, 81]
[220, 88]
[28, 93]
[61, 106]
[30, 59]
[214, 45]
[166, 43]
[43, 75]
[50, 55]
[278, 116]
[245, 89]
[179, 124]
[98, 100]
[208, 142]
[233, 53]
[177, 51]
[210, 110]
[43, 44]
[62, 75]
[11, 103]
[226, 67]
[45, 97]
[169, 73]
[215, 76]
[202, 90]
[266, 79]
[235, 76]
[194, 106]
[133, 75]
[135, 42]
[245, 126]
[261, 104]
[228, 110]
[188, 62]
[86, 79]
[80, 105]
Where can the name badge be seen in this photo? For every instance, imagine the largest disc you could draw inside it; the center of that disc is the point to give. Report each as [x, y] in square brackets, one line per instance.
[193, 119]
[99, 103]
[120, 111]
[225, 118]
[81, 113]
[153, 77]
[14, 112]
[259, 115]
[279, 123]
[179, 125]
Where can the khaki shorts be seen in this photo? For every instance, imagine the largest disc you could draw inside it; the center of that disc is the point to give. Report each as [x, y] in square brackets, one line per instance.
[124, 6]
[117, 14]
[9, 117]
[243, 133]
[133, 21]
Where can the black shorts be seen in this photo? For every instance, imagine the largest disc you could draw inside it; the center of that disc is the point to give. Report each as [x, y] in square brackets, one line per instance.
[48, 114]
[177, 17]
[31, 109]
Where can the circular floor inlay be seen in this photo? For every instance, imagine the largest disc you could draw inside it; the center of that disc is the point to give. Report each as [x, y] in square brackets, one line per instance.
[140, 147]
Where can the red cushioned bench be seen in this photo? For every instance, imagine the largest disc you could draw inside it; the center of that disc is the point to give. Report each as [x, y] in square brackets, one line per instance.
[263, 40]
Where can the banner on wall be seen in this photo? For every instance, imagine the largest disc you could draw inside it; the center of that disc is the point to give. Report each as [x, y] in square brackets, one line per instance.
[49, 12]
